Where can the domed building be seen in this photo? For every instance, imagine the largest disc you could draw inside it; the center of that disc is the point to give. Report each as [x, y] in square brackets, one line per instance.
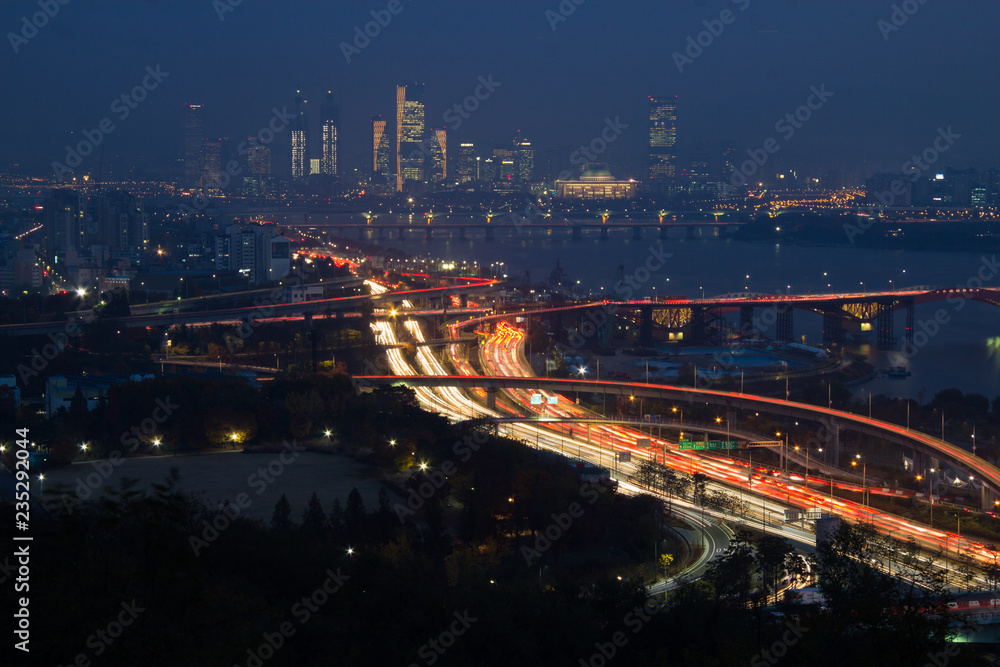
[596, 183]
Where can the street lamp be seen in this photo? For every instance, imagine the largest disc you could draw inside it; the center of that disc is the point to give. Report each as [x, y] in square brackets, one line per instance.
[864, 479]
[784, 451]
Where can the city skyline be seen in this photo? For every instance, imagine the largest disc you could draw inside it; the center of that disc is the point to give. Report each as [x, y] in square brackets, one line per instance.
[723, 94]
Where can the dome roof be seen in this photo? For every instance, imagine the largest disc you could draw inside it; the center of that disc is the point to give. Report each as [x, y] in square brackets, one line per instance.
[597, 174]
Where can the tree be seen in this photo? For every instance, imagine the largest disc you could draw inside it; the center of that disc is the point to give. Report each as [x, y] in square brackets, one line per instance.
[354, 514]
[699, 487]
[666, 560]
[281, 519]
[891, 620]
[336, 517]
[313, 518]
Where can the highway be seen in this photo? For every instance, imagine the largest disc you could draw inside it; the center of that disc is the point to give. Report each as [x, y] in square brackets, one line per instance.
[767, 494]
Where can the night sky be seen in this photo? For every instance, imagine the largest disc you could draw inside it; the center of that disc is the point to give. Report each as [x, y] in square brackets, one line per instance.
[558, 86]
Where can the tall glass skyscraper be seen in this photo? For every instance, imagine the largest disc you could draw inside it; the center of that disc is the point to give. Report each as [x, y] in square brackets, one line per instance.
[329, 122]
[300, 139]
[465, 164]
[410, 154]
[662, 140]
[194, 139]
[381, 155]
[439, 154]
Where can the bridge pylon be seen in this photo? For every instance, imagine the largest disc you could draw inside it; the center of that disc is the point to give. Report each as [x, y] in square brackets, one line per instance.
[785, 330]
[833, 328]
[884, 324]
[746, 322]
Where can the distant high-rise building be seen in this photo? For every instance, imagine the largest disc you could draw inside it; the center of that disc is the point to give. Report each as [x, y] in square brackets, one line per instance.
[315, 166]
[329, 122]
[662, 140]
[194, 137]
[465, 163]
[381, 155]
[65, 224]
[727, 159]
[258, 158]
[122, 225]
[211, 163]
[439, 154]
[300, 140]
[409, 133]
[525, 162]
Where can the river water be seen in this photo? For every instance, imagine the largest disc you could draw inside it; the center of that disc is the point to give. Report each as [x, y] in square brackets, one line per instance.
[962, 352]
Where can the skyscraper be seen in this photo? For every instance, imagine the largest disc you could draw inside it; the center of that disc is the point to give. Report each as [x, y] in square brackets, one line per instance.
[525, 162]
[381, 157]
[662, 140]
[300, 140]
[409, 133]
[194, 138]
[465, 163]
[727, 158]
[211, 163]
[258, 158]
[329, 122]
[439, 154]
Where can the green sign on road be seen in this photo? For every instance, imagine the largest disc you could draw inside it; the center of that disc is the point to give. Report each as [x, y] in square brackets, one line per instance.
[708, 444]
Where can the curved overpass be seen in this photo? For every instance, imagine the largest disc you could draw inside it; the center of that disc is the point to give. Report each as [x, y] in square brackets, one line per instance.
[899, 435]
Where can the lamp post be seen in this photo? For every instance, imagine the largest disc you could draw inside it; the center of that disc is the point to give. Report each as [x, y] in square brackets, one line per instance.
[864, 479]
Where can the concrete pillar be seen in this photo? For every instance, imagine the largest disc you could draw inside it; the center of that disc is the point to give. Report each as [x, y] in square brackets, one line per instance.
[637, 233]
[604, 233]
[664, 232]
[577, 233]
[491, 398]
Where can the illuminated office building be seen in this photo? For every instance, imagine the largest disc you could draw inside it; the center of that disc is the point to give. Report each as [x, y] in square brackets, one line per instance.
[300, 140]
[410, 153]
[662, 141]
[329, 123]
